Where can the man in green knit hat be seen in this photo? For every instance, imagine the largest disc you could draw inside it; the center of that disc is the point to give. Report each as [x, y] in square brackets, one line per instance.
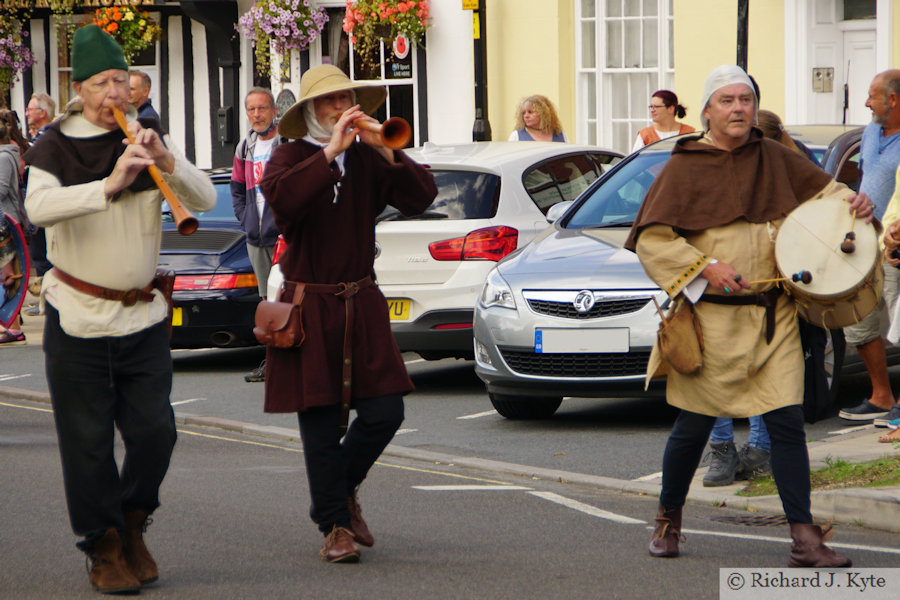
[106, 335]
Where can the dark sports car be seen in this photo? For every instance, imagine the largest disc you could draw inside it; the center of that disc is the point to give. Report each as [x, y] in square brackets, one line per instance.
[215, 289]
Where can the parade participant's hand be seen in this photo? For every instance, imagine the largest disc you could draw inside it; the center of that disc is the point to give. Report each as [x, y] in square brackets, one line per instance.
[7, 276]
[374, 139]
[892, 237]
[863, 205]
[149, 139]
[344, 132]
[135, 159]
[724, 278]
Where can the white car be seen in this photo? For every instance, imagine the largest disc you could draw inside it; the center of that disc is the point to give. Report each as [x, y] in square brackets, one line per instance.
[493, 198]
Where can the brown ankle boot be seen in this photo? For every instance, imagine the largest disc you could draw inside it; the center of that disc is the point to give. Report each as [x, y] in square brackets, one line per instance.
[136, 554]
[664, 543]
[340, 547]
[109, 571]
[808, 549]
[358, 524]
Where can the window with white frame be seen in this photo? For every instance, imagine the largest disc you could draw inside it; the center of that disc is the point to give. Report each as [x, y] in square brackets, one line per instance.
[624, 53]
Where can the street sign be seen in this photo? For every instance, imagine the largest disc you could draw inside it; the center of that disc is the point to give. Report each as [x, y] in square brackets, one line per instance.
[470, 4]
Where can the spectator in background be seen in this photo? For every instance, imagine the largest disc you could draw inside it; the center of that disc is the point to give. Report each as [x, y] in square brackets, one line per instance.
[139, 94]
[12, 147]
[40, 111]
[250, 208]
[664, 109]
[537, 121]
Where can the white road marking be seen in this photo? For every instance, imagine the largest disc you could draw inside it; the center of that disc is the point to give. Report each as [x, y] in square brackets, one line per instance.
[478, 415]
[850, 429]
[649, 477]
[769, 538]
[11, 377]
[402, 431]
[587, 508]
[470, 488]
[188, 401]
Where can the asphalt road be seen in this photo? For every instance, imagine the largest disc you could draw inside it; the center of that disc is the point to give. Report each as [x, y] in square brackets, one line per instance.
[233, 525]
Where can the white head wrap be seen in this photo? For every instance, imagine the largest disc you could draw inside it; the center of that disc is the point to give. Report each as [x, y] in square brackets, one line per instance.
[723, 76]
[314, 127]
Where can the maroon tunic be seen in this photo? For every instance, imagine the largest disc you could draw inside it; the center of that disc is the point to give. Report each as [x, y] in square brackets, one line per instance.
[331, 242]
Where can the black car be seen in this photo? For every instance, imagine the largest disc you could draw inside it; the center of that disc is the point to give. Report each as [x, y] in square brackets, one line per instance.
[215, 289]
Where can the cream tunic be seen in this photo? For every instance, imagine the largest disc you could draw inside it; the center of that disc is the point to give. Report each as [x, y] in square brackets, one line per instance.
[742, 375]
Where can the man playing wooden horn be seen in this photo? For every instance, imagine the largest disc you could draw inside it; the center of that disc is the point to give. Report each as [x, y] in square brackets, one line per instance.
[706, 230]
[106, 334]
[326, 189]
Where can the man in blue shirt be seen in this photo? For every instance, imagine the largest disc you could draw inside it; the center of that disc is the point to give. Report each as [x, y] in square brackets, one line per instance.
[879, 159]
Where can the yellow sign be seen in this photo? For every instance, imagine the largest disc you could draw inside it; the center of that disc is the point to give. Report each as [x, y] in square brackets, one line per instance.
[470, 4]
[476, 23]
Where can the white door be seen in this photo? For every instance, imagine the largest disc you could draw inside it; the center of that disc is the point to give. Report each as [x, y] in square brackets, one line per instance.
[858, 70]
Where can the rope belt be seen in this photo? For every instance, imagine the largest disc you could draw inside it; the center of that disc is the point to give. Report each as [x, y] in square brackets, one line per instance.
[767, 299]
[126, 297]
[347, 291]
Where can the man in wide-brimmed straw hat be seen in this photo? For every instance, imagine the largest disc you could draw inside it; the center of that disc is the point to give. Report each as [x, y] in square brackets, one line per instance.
[325, 190]
[106, 335]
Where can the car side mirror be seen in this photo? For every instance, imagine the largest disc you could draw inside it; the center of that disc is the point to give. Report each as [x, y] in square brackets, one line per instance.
[558, 209]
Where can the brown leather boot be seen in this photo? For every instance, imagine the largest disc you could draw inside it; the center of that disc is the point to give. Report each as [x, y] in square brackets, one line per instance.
[136, 554]
[667, 534]
[358, 524]
[109, 571]
[339, 546]
[808, 549]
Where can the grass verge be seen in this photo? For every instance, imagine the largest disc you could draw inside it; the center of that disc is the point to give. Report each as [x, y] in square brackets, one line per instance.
[838, 474]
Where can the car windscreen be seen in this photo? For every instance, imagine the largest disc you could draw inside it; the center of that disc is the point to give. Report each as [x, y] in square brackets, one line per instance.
[461, 195]
[616, 200]
[222, 211]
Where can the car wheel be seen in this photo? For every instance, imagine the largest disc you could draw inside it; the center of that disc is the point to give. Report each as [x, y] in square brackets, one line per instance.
[513, 407]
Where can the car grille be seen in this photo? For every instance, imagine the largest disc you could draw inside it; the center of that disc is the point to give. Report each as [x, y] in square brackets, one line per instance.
[600, 364]
[208, 240]
[566, 310]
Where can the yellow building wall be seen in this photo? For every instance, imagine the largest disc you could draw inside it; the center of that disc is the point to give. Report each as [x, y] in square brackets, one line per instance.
[706, 37]
[530, 50]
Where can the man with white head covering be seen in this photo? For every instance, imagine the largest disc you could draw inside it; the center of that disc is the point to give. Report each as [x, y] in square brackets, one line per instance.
[326, 190]
[705, 230]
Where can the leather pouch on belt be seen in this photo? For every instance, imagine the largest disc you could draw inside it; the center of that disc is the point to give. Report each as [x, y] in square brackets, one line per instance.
[279, 324]
[680, 338]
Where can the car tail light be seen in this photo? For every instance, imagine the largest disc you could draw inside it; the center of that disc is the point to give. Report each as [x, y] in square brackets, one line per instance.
[453, 326]
[230, 281]
[490, 243]
[280, 246]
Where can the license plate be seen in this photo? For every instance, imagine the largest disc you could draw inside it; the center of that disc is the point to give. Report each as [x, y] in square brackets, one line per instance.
[398, 309]
[558, 341]
[176, 317]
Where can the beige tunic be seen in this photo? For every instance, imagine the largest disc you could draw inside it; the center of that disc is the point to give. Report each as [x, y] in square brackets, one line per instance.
[742, 375]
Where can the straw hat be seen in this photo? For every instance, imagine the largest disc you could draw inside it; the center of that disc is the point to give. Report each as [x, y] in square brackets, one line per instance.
[321, 81]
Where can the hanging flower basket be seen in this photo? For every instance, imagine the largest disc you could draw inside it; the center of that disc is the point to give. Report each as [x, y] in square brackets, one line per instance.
[15, 56]
[280, 26]
[369, 22]
[135, 31]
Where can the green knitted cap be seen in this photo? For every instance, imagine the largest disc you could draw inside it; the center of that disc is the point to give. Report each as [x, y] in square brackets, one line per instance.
[94, 51]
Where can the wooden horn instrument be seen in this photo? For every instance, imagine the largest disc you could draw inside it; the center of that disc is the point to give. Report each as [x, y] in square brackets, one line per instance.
[395, 132]
[184, 220]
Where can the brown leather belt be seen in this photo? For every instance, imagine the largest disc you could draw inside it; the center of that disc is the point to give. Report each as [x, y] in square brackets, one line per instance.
[766, 299]
[127, 297]
[346, 291]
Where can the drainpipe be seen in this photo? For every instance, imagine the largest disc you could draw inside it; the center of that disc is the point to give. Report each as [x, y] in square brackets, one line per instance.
[481, 131]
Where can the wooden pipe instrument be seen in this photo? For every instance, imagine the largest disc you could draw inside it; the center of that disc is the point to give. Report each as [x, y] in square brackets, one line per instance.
[184, 220]
[395, 132]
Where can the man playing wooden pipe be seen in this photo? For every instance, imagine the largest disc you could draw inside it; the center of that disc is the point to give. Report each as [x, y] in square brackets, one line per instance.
[106, 334]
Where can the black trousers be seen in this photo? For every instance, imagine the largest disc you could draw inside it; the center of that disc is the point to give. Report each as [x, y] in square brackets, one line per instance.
[790, 459]
[334, 467]
[96, 385]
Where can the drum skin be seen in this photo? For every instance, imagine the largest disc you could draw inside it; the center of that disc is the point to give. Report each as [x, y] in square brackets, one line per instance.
[845, 287]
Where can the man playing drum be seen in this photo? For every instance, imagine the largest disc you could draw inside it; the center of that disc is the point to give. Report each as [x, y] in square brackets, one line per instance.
[707, 228]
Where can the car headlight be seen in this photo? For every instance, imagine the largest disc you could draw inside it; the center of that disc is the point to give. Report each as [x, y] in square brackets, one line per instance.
[496, 292]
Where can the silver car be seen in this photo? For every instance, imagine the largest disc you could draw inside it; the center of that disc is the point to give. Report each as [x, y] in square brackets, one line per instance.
[572, 313]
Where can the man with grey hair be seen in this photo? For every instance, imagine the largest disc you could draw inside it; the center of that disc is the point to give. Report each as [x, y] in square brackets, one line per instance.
[139, 94]
[38, 114]
[250, 159]
[703, 234]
